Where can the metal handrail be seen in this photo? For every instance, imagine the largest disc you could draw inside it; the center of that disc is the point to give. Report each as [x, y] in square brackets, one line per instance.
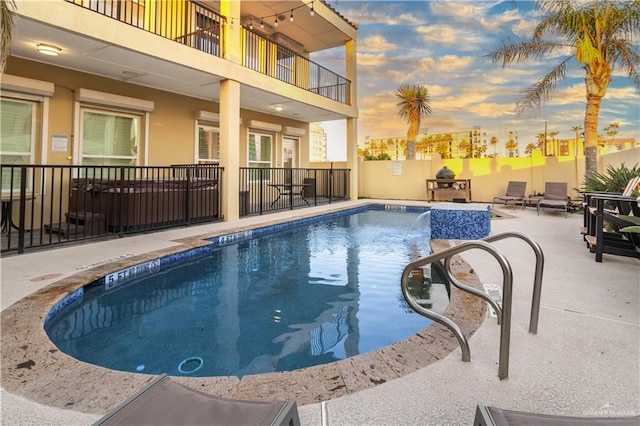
[537, 280]
[469, 289]
[507, 284]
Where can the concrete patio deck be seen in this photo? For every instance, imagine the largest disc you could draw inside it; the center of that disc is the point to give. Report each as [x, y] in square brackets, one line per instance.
[584, 361]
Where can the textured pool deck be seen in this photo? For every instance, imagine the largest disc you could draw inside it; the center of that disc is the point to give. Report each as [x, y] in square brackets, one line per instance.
[585, 359]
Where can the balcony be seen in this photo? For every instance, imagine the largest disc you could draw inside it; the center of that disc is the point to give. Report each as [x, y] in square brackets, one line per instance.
[202, 28]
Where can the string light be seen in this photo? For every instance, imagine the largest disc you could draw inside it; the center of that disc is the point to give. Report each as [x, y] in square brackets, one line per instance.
[312, 12]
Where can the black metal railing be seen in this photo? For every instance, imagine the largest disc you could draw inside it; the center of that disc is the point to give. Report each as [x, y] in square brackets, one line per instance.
[270, 58]
[264, 190]
[194, 25]
[186, 22]
[43, 205]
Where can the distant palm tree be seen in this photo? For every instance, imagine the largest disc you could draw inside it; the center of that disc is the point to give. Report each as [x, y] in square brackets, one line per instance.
[529, 149]
[413, 104]
[612, 130]
[6, 16]
[553, 135]
[511, 146]
[494, 143]
[600, 35]
[576, 130]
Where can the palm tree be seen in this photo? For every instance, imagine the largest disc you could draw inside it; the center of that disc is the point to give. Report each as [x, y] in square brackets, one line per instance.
[511, 146]
[494, 143]
[413, 104]
[542, 142]
[576, 130]
[6, 16]
[612, 130]
[529, 149]
[553, 135]
[599, 34]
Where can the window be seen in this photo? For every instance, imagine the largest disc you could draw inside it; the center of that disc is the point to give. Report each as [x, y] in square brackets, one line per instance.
[208, 144]
[109, 138]
[259, 154]
[17, 136]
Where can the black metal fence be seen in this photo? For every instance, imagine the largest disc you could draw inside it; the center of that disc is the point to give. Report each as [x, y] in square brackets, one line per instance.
[43, 205]
[264, 190]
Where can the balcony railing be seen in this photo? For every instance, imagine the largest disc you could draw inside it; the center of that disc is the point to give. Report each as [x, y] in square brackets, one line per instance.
[194, 25]
[272, 59]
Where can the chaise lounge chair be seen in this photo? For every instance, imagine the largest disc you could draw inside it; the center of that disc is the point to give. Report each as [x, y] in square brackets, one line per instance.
[555, 197]
[515, 193]
[492, 416]
[165, 402]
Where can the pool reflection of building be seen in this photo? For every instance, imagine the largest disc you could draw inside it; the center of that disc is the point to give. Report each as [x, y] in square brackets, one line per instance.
[263, 305]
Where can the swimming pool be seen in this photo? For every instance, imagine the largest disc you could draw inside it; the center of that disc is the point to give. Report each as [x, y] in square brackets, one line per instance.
[287, 300]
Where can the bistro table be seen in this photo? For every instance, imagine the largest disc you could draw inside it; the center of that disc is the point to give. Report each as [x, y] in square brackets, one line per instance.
[289, 190]
[7, 209]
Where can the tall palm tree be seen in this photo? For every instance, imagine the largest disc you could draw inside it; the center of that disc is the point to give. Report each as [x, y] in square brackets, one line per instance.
[612, 130]
[554, 150]
[6, 16]
[600, 36]
[576, 130]
[529, 149]
[494, 143]
[413, 104]
[511, 146]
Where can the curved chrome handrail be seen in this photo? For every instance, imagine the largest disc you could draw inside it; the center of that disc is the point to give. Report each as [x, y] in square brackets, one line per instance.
[537, 279]
[507, 284]
[469, 289]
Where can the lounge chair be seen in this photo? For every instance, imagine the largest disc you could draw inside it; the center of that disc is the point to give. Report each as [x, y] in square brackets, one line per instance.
[555, 197]
[492, 416]
[165, 402]
[515, 193]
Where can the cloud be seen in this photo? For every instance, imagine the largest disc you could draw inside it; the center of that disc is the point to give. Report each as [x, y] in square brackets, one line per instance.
[375, 43]
[371, 60]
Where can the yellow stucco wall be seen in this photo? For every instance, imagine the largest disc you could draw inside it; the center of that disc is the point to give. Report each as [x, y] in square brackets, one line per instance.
[489, 176]
[171, 125]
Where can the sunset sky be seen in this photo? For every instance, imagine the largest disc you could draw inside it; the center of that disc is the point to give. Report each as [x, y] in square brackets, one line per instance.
[442, 44]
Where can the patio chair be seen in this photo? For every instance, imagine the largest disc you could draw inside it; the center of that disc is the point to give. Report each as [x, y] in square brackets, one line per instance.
[604, 234]
[555, 197]
[165, 402]
[589, 206]
[492, 416]
[515, 193]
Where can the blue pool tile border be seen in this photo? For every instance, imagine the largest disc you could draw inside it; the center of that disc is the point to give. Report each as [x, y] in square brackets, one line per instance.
[156, 265]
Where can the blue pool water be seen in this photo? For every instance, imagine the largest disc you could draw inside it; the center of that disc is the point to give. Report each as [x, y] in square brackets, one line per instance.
[292, 299]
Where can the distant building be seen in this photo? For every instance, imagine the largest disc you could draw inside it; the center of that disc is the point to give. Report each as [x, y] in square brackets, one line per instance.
[462, 144]
[317, 143]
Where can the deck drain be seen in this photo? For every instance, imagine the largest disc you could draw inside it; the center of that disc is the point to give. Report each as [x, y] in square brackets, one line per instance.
[190, 365]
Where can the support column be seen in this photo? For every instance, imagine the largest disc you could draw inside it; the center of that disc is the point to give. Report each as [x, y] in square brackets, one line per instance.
[230, 148]
[230, 114]
[352, 123]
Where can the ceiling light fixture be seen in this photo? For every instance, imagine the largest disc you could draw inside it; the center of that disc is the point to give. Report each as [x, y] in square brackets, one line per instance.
[48, 49]
[278, 107]
[291, 17]
[312, 12]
